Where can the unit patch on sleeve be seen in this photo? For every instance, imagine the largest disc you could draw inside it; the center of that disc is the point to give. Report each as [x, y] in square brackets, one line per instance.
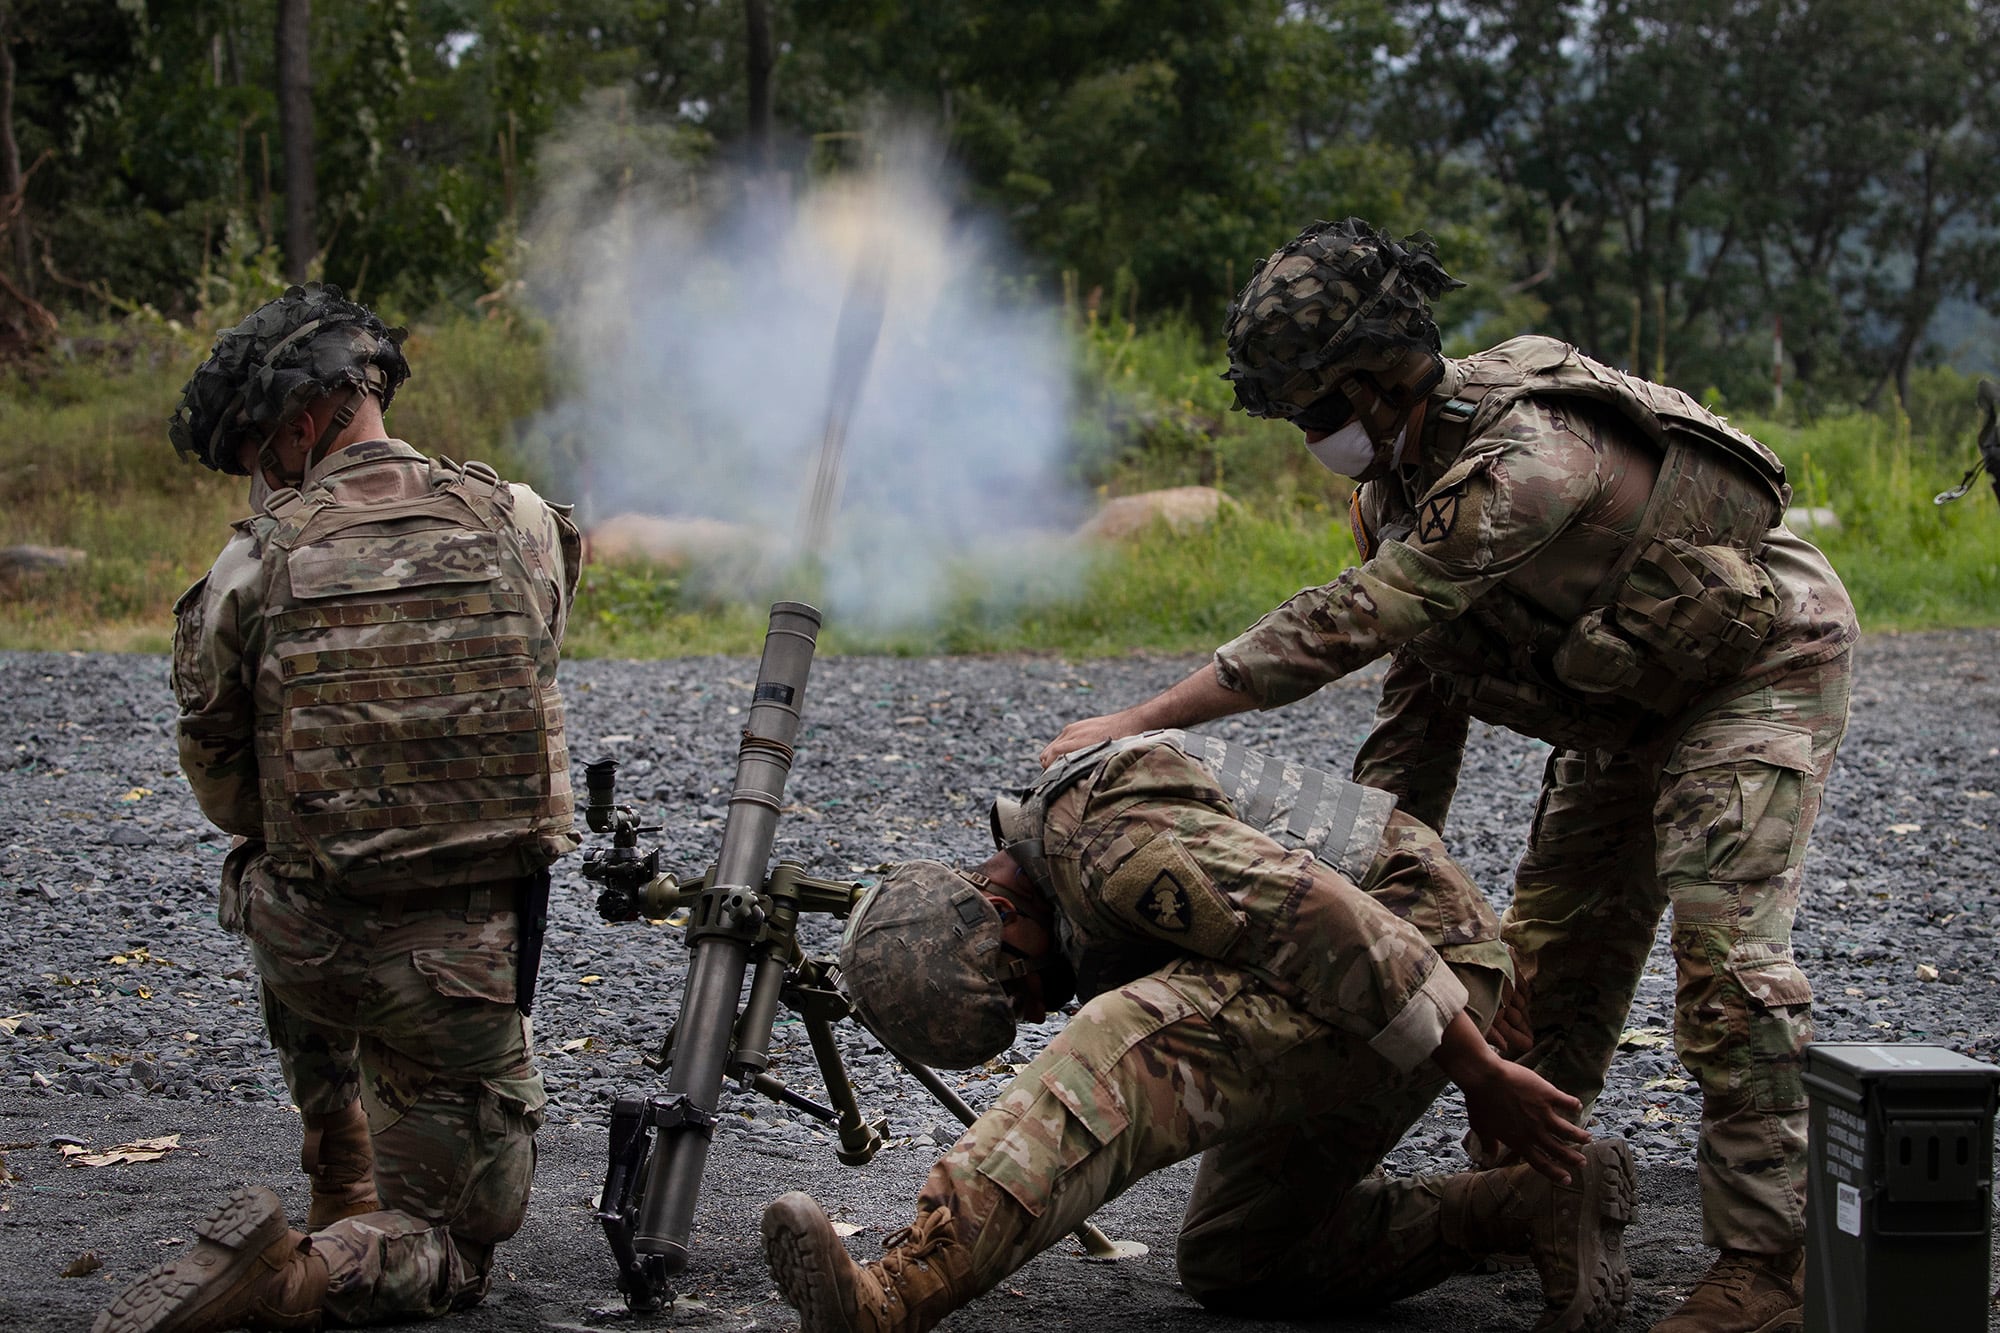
[1161, 890]
[1436, 517]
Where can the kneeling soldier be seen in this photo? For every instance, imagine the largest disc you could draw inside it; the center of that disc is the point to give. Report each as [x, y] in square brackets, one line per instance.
[1246, 1002]
[367, 689]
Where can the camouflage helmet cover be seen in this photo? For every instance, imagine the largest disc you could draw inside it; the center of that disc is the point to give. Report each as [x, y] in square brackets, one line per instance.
[920, 960]
[288, 353]
[1340, 299]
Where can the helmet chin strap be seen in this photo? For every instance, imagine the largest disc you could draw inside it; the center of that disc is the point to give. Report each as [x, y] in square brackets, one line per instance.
[342, 418]
[275, 474]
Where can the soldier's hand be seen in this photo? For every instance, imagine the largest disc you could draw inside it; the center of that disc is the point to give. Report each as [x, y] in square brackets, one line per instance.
[1088, 732]
[1510, 1033]
[1511, 1104]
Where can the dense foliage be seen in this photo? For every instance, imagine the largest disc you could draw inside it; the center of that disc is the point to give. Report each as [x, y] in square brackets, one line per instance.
[1658, 180]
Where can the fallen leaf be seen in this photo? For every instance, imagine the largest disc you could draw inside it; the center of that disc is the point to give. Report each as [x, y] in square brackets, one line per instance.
[1904, 828]
[12, 1022]
[83, 1265]
[1671, 1082]
[1636, 1039]
[1925, 972]
[1856, 992]
[590, 980]
[1657, 1116]
[846, 1229]
[125, 1154]
[137, 794]
[578, 1044]
[1980, 795]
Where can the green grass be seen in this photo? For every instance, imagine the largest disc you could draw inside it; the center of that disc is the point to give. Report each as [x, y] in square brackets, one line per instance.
[1907, 562]
[84, 462]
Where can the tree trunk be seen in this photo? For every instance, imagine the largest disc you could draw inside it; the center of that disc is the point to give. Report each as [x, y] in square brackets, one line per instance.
[10, 160]
[757, 16]
[295, 131]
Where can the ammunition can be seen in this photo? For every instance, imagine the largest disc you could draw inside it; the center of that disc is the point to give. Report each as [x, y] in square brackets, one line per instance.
[1899, 1196]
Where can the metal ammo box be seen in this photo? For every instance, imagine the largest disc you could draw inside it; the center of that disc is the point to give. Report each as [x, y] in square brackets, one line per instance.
[1899, 1203]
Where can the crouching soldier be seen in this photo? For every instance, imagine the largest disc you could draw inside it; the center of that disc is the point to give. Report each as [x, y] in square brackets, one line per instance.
[367, 693]
[1247, 1002]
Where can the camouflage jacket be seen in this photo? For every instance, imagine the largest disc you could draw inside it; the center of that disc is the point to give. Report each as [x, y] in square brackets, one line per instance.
[227, 682]
[1150, 864]
[1482, 555]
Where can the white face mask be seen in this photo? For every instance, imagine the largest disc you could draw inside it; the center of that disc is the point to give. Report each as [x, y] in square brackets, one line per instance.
[1348, 452]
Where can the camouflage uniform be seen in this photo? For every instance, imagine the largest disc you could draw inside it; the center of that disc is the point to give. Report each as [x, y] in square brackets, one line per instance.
[388, 971]
[1245, 1003]
[1689, 781]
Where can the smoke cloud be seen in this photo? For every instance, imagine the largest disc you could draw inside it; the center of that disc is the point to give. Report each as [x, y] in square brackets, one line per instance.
[695, 318]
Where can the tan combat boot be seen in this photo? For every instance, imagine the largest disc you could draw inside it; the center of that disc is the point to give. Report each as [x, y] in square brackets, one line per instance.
[1745, 1293]
[339, 1156]
[916, 1282]
[1574, 1234]
[247, 1270]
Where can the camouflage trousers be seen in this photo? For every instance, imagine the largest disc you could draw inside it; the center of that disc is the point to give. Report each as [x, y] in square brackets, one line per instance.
[415, 1015]
[1715, 826]
[1290, 1117]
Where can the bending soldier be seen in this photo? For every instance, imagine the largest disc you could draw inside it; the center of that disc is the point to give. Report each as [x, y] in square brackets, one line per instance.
[1555, 547]
[367, 686]
[1246, 1002]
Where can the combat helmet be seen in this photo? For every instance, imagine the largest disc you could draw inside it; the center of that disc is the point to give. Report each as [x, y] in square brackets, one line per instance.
[1337, 324]
[305, 345]
[922, 963]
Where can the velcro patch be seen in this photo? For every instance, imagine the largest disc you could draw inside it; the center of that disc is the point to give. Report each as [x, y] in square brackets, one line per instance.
[1161, 890]
[1436, 516]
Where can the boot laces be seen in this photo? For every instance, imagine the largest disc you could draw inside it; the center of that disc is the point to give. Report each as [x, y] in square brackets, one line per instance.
[915, 1244]
[1737, 1273]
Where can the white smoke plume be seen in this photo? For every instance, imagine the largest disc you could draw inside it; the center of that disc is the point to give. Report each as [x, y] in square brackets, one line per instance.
[694, 316]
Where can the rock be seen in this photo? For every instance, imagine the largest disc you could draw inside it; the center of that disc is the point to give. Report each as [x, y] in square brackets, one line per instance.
[37, 559]
[1812, 518]
[668, 541]
[1181, 508]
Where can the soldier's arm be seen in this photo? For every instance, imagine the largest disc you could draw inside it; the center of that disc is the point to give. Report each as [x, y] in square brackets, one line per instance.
[1523, 483]
[1417, 744]
[1170, 865]
[554, 549]
[217, 729]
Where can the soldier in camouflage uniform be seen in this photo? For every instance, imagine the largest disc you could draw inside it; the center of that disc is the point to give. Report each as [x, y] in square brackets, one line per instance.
[368, 701]
[1246, 1002]
[1555, 547]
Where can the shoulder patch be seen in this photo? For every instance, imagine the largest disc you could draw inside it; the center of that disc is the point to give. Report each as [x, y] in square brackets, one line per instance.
[1436, 516]
[1160, 890]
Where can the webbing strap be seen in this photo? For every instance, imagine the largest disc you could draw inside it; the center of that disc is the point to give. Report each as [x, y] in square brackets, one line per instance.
[1311, 793]
[423, 685]
[323, 824]
[436, 727]
[393, 613]
[458, 768]
[311, 660]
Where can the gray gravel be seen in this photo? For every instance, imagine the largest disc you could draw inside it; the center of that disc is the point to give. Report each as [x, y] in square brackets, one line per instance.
[133, 1015]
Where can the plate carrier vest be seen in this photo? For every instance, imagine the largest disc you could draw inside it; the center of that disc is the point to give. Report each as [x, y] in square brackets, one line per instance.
[420, 737]
[1685, 607]
[1339, 821]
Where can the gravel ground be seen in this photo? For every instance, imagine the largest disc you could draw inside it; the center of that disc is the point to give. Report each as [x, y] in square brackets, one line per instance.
[128, 1014]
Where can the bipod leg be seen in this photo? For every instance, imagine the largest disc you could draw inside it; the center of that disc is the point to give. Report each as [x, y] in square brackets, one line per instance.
[859, 1140]
[641, 1278]
[1097, 1246]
